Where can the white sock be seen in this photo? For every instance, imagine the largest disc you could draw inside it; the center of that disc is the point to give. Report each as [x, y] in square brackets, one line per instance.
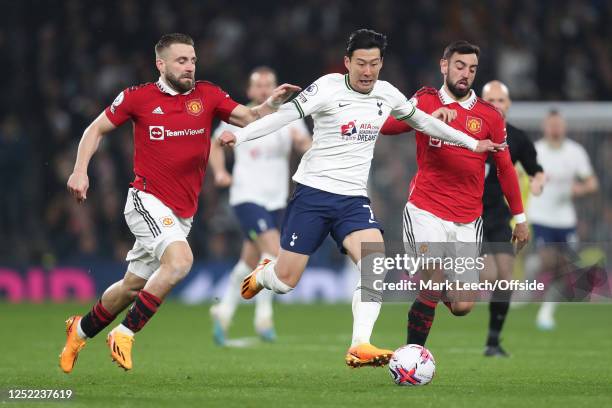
[551, 297]
[263, 309]
[547, 311]
[121, 328]
[364, 314]
[226, 308]
[80, 331]
[263, 303]
[268, 279]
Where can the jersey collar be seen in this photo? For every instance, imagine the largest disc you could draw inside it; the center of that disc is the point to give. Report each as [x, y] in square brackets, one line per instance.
[347, 82]
[447, 99]
[165, 88]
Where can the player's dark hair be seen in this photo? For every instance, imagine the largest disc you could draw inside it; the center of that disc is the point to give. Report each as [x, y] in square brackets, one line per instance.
[460, 47]
[365, 39]
[174, 38]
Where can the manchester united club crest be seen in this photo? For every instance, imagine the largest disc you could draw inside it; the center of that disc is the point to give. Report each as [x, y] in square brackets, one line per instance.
[474, 125]
[167, 221]
[194, 107]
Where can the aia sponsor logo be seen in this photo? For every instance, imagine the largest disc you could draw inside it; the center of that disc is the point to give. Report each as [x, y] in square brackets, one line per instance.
[156, 132]
[349, 129]
[364, 132]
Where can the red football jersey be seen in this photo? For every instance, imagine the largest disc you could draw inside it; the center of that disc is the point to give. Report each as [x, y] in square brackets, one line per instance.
[450, 179]
[171, 138]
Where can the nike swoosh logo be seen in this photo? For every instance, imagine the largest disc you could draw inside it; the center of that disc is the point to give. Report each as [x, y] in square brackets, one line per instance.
[342, 106]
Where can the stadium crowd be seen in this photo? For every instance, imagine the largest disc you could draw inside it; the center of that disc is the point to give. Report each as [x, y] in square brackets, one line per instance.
[67, 60]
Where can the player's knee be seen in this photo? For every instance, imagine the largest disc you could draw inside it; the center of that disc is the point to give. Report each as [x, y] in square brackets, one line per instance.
[179, 267]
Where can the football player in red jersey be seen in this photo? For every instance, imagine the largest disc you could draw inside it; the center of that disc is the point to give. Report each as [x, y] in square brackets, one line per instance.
[445, 197]
[172, 120]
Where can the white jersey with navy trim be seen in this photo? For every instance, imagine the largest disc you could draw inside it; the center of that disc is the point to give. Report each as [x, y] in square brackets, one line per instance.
[346, 126]
[261, 167]
[562, 165]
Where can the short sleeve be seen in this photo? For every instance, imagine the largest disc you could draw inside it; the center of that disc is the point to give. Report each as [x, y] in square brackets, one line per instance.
[583, 163]
[122, 108]
[225, 104]
[313, 98]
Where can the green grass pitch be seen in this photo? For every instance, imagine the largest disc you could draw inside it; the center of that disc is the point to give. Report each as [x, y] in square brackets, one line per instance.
[176, 363]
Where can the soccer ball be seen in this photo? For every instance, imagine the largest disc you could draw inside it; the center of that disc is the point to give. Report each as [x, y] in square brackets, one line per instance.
[412, 365]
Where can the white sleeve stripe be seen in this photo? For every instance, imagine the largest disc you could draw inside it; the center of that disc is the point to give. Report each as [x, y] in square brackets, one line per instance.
[299, 108]
[409, 115]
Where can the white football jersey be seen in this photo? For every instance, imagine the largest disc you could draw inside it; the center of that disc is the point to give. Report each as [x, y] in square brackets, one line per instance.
[562, 166]
[346, 125]
[261, 167]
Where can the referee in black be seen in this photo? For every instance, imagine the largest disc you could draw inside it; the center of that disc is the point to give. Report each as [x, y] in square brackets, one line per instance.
[496, 215]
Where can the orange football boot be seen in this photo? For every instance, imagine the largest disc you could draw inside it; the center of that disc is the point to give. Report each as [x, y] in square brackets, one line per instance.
[74, 344]
[366, 354]
[120, 345]
[250, 287]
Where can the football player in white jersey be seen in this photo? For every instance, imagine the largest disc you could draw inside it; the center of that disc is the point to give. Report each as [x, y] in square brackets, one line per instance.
[552, 214]
[258, 194]
[331, 193]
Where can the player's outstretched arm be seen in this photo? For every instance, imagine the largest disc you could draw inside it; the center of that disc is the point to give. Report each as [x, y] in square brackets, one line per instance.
[263, 127]
[242, 115]
[78, 182]
[431, 126]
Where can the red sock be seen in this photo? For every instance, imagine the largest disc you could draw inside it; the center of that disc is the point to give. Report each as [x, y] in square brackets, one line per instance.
[141, 311]
[421, 316]
[96, 320]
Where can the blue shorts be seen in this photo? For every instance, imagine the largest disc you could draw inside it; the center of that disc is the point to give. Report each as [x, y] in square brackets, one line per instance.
[255, 219]
[312, 214]
[547, 235]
